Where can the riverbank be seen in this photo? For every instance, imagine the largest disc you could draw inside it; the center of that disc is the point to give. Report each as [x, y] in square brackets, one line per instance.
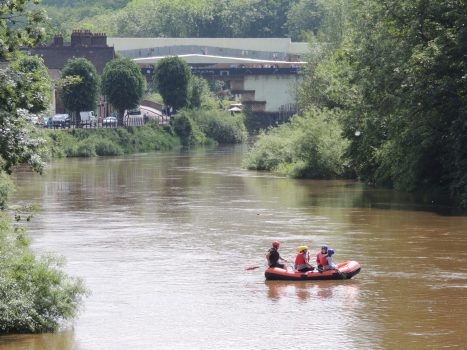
[109, 142]
[189, 128]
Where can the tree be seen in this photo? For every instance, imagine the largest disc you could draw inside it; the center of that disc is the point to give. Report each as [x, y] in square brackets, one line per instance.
[19, 25]
[304, 17]
[199, 94]
[83, 93]
[123, 85]
[398, 73]
[24, 92]
[172, 76]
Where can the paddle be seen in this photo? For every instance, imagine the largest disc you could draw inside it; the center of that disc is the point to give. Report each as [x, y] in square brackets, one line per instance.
[252, 268]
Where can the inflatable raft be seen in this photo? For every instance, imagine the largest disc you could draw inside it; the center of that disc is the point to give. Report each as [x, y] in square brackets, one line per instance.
[345, 270]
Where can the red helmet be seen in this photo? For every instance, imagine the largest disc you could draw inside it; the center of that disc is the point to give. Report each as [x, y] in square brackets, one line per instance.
[276, 244]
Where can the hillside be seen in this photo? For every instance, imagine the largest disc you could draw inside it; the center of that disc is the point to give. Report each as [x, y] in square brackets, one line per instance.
[188, 18]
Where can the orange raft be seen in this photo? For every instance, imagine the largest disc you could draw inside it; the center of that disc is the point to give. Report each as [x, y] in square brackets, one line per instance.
[345, 270]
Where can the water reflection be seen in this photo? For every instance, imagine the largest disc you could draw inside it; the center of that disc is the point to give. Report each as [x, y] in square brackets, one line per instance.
[158, 238]
[345, 291]
[49, 341]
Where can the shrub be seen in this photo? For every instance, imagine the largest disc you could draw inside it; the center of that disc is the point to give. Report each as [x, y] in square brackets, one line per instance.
[92, 142]
[188, 131]
[220, 125]
[108, 148]
[309, 146]
[35, 294]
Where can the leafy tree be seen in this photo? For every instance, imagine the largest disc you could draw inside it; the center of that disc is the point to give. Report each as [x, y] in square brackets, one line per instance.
[123, 85]
[200, 94]
[23, 94]
[183, 127]
[172, 75]
[304, 17]
[83, 93]
[35, 295]
[179, 18]
[19, 25]
[398, 73]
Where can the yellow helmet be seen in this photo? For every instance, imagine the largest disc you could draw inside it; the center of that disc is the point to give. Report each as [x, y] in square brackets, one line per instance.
[302, 248]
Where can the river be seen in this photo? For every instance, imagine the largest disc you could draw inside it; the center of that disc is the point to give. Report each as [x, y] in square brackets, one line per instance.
[162, 241]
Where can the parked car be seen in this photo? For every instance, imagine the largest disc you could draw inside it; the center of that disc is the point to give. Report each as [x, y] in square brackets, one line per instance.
[109, 121]
[88, 118]
[61, 121]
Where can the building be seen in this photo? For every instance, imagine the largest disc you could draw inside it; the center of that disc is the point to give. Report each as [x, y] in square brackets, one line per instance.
[92, 46]
[84, 43]
[262, 72]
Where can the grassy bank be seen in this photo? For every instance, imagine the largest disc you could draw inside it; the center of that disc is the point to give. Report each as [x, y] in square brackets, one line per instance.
[189, 128]
[110, 142]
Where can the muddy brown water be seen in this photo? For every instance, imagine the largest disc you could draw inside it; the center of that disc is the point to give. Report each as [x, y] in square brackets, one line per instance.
[162, 241]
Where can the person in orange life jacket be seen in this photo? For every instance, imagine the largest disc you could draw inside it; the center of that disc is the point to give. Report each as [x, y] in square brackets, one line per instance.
[302, 260]
[329, 263]
[273, 256]
[321, 258]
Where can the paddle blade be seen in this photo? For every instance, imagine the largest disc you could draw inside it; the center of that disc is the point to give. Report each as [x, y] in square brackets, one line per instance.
[251, 268]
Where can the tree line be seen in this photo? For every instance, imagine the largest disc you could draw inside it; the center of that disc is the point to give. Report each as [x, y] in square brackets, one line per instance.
[393, 75]
[195, 18]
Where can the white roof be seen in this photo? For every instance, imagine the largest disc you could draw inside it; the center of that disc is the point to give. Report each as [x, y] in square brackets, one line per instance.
[198, 58]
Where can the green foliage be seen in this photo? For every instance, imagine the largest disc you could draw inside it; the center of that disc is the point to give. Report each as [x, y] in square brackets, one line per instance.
[200, 94]
[20, 22]
[23, 94]
[154, 97]
[305, 17]
[35, 294]
[179, 18]
[308, 146]
[183, 127]
[123, 85]
[397, 71]
[220, 126]
[34, 84]
[172, 76]
[83, 93]
[6, 189]
[109, 142]
[107, 148]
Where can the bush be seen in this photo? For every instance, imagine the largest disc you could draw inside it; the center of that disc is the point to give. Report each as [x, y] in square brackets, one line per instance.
[35, 294]
[221, 126]
[108, 148]
[106, 142]
[310, 146]
[188, 131]
[85, 149]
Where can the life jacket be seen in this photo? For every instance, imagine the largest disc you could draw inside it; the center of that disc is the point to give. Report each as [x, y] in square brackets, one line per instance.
[301, 260]
[321, 259]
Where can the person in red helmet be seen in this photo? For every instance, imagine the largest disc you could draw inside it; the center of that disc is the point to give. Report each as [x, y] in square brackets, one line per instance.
[273, 256]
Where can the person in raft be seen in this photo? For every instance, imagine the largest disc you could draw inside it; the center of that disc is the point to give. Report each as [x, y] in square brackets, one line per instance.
[273, 256]
[329, 263]
[321, 258]
[302, 260]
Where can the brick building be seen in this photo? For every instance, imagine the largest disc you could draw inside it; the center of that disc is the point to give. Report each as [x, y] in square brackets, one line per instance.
[84, 43]
[92, 46]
